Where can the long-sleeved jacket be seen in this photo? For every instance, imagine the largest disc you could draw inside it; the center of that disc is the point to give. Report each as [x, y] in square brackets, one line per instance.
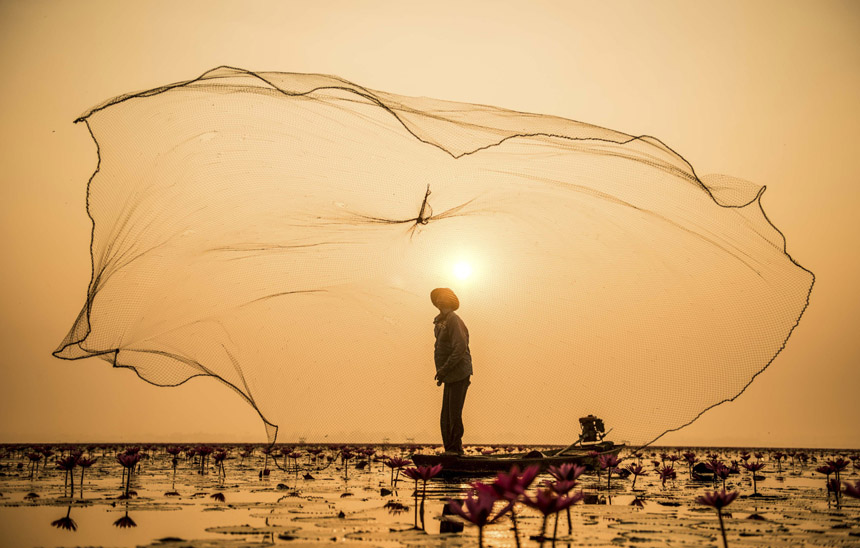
[451, 353]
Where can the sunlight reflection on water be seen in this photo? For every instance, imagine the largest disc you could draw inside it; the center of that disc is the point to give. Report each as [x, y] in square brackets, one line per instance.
[284, 508]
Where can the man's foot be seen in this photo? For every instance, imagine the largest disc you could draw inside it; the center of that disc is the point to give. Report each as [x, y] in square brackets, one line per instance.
[451, 454]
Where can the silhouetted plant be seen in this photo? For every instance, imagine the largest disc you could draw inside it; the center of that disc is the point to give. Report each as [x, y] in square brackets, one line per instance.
[125, 522]
[838, 465]
[128, 462]
[345, 456]
[548, 502]
[778, 455]
[46, 453]
[719, 500]
[565, 477]
[219, 457]
[35, 459]
[637, 471]
[511, 486]
[754, 467]
[66, 523]
[478, 510]
[68, 464]
[204, 451]
[84, 463]
[396, 464]
[266, 452]
[722, 471]
[666, 472]
[691, 459]
[609, 463]
[423, 473]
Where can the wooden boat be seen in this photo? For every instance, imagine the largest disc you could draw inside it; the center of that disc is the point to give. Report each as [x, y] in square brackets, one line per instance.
[481, 465]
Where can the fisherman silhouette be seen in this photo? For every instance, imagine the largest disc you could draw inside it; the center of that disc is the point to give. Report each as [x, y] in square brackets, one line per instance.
[453, 366]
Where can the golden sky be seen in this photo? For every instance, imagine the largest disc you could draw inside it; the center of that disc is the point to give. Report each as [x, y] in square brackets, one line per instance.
[764, 91]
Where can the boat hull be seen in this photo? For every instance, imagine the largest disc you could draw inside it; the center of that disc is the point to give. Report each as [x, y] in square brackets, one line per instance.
[482, 465]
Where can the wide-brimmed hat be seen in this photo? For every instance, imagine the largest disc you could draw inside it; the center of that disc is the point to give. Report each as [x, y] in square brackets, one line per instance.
[442, 297]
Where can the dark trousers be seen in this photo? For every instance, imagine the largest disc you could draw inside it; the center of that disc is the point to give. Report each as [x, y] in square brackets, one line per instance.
[452, 414]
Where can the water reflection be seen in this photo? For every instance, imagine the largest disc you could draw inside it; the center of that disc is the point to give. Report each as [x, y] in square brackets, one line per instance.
[396, 508]
[125, 522]
[66, 523]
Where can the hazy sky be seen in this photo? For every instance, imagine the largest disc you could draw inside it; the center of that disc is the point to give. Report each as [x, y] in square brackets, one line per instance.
[764, 91]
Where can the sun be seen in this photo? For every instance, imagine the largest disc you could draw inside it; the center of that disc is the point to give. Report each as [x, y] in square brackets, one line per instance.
[462, 270]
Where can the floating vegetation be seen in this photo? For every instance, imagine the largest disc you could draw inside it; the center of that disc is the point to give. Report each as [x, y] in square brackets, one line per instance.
[564, 504]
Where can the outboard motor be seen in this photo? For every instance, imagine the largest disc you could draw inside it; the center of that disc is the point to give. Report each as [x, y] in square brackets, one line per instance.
[592, 429]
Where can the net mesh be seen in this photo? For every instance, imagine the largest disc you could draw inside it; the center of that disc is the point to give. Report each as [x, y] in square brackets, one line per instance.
[282, 232]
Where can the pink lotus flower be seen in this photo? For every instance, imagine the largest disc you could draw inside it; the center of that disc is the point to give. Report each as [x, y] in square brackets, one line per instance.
[396, 463]
[128, 460]
[825, 469]
[423, 473]
[838, 465]
[667, 472]
[85, 463]
[608, 463]
[691, 459]
[637, 471]
[566, 472]
[67, 463]
[548, 502]
[719, 500]
[478, 510]
[512, 485]
[722, 472]
[561, 487]
[754, 467]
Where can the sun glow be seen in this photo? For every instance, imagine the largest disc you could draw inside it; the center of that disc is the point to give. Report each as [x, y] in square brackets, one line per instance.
[462, 270]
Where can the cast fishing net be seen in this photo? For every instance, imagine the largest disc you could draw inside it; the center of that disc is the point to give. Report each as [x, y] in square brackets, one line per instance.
[282, 233]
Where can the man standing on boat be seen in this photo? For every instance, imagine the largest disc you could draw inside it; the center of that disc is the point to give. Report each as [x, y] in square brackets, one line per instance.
[453, 366]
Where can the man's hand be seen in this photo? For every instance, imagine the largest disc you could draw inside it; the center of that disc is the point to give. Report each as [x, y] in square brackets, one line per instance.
[438, 380]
